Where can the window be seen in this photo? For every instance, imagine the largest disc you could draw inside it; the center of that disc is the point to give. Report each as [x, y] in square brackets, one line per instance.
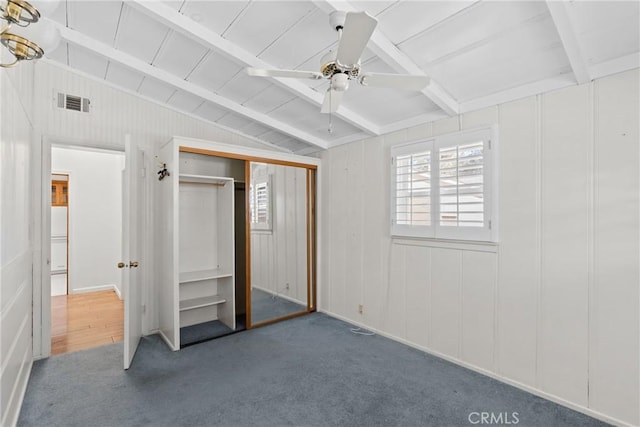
[444, 187]
[260, 203]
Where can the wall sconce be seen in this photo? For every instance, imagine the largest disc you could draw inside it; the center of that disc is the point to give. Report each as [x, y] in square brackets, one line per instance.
[20, 43]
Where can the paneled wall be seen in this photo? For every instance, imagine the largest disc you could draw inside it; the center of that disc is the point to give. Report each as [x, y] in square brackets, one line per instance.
[278, 256]
[15, 238]
[554, 306]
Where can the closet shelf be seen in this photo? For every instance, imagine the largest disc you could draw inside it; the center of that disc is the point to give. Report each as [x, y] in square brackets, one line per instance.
[200, 302]
[204, 179]
[196, 276]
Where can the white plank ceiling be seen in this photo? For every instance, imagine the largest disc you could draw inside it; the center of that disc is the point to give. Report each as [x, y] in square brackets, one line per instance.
[191, 55]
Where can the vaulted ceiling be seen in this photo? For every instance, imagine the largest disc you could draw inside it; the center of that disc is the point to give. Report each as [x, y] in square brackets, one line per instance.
[192, 56]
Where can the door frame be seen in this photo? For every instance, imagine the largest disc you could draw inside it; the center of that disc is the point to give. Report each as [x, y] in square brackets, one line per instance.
[41, 203]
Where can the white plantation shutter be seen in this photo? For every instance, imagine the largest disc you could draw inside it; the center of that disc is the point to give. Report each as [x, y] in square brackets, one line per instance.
[442, 187]
[413, 185]
[461, 184]
[260, 205]
[411, 190]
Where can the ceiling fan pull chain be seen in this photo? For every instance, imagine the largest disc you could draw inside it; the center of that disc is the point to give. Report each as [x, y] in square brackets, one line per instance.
[330, 130]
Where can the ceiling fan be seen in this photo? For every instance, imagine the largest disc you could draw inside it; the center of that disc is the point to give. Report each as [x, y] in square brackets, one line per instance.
[339, 67]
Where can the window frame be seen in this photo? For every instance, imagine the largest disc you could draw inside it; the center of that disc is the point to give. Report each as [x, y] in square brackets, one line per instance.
[489, 230]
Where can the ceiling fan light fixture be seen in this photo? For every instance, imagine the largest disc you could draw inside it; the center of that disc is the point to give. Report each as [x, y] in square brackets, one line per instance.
[329, 66]
[340, 82]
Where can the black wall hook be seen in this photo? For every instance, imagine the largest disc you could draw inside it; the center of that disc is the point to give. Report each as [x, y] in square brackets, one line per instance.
[162, 173]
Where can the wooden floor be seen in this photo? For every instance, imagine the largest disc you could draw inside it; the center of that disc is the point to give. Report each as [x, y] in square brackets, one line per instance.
[88, 320]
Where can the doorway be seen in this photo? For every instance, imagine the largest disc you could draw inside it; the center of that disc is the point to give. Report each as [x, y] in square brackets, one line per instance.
[86, 217]
[59, 233]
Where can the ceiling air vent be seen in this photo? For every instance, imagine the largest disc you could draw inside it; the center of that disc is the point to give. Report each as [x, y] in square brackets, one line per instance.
[73, 103]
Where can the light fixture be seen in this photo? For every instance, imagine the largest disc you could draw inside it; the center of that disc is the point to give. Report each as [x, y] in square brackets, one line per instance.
[19, 12]
[21, 43]
[20, 48]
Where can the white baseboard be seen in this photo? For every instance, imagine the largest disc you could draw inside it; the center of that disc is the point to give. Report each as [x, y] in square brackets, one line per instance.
[95, 289]
[579, 408]
[13, 411]
[283, 296]
[117, 289]
[166, 340]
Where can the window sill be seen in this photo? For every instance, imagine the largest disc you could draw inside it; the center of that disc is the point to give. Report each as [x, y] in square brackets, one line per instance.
[468, 245]
[260, 231]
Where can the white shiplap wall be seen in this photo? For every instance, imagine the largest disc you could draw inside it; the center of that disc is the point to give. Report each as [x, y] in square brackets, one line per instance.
[554, 306]
[279, 256]
[15, 237]
[115, 113]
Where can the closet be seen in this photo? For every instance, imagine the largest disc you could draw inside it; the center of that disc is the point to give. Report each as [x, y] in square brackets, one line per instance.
[236, 238]
[197, 256]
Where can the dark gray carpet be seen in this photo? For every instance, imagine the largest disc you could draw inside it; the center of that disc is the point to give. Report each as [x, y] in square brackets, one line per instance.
[195, 334]
[308, 371]
[266, 306]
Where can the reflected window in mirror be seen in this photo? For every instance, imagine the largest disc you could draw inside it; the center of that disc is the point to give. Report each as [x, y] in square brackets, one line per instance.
[260, 206]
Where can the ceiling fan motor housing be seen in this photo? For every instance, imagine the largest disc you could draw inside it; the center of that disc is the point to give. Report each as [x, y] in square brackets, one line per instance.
[337, 18]
[330, 67]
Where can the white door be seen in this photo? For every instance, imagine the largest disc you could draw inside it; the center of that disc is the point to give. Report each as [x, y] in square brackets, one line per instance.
[133, 196]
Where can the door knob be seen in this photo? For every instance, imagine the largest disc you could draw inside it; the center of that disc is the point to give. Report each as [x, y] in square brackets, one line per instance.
[134, 263]
[122, 265]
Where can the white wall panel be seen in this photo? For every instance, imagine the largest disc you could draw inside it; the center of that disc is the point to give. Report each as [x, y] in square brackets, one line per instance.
[478, 308]
[417, 294]
[563, 322]
[395, 313]
[16, 314]
[554, 305]
[353, 218]
[446, 282]
[614, 350]
[336, 203]
[518, 257]
[374, 222]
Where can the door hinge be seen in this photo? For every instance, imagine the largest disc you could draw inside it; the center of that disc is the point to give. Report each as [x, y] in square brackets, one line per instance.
[144, 308]
[489, 224]
[489, 144]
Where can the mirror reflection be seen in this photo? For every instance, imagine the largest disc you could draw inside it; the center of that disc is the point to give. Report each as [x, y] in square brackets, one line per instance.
[278, 226]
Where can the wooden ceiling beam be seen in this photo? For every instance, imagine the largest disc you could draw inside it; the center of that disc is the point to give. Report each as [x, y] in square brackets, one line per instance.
[202, 35]
[129, 61]
[560, 16]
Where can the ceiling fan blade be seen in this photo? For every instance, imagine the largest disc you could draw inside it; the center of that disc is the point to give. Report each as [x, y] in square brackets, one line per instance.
[358, 28]
[332, 99]
[395, 81]
[258, 72]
